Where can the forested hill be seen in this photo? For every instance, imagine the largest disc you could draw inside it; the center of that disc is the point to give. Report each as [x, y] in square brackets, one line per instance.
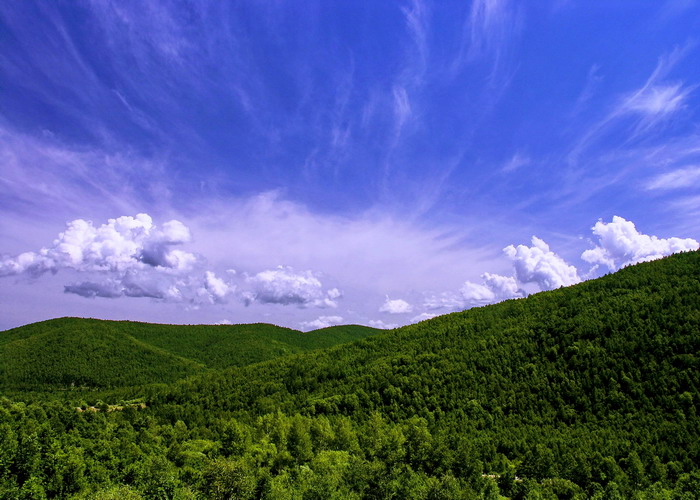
[90, 353]
[589, 391]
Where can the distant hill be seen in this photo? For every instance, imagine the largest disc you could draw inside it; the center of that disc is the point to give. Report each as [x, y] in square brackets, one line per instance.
[76, 352]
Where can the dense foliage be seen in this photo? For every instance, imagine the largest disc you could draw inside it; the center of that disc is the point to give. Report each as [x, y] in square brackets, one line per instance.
[585, 392]
[88, 353]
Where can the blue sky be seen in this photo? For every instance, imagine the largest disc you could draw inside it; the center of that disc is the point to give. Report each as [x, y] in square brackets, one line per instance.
[325, 162]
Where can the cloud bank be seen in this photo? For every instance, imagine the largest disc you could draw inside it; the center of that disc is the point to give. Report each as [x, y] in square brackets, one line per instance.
[125, 257]
[133, 257]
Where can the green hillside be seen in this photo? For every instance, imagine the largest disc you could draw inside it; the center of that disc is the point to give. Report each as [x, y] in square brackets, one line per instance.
[222, 346]
[589, 391]
[89, 353]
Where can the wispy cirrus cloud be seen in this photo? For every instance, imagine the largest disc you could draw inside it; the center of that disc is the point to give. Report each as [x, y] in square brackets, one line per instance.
[647, 106]
[517, 161]
[41, 171]
[488, 35]
[417, 17]
[488, 22]
[676, 179]
[657, 98]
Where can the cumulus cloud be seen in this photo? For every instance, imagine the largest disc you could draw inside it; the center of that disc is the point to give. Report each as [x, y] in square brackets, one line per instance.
[446, 300]
[494, 288]
[422, 317]
[321, 322]
[538, 264]
[119, 245]
[215, 287]
[620, 244]
[286, 286]
[125, 257]
[378, 323]
[224, 322]
[396, 306]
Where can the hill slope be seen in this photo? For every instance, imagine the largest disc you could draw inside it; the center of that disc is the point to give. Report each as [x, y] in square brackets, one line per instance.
[595, 384]
[70, 352]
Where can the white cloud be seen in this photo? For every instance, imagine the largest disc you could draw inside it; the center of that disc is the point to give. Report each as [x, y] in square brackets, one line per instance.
[378, 323]
[422, 317]
[495, 288]
[51, 180]
[224, 322]
[503, 287]
[680, 178]
[538, 264]
[119, 245]
[133, 284]
[446, 300]
[656, 100]
[216, 286]
[321, 322]
[125, 257]
[286, 286]
[620, 244]
[491, 24]
[238, 234]
[476, 294]
[649, 105]
[396, 306]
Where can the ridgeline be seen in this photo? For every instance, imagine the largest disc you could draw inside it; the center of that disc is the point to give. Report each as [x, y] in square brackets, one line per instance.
[66, 353]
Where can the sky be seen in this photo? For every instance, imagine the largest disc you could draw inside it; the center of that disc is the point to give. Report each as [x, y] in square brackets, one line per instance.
[317, 163]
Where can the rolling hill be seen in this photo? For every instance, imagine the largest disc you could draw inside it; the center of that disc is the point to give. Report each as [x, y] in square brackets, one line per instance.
[90, 353]
[590, 391]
